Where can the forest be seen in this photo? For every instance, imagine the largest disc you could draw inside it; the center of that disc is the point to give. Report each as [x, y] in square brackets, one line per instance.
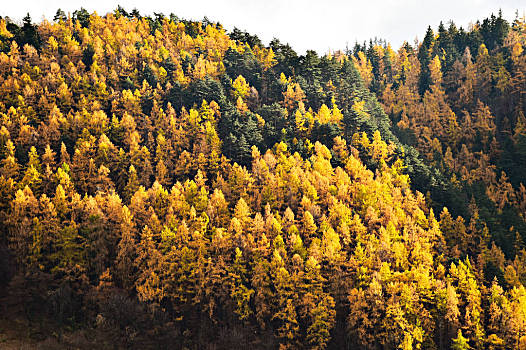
[171, 184]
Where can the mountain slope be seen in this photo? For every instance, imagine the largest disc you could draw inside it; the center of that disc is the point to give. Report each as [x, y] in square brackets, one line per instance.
[168, 185]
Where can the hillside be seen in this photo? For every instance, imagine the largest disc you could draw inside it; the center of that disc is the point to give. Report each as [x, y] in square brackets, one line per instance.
[167, 184]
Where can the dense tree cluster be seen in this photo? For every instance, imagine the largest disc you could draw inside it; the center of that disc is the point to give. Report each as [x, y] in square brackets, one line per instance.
[459, 99]
[166, 184]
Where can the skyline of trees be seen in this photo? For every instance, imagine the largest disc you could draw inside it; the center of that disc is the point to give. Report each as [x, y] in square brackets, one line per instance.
[166, 184]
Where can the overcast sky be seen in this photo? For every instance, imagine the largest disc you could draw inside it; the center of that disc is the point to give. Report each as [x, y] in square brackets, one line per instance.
[318, 25]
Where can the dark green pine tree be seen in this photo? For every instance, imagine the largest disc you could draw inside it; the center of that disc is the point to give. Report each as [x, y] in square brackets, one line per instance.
[28, 34]
[424, 56]
[444, 47]
[242, 151]
[60, 16]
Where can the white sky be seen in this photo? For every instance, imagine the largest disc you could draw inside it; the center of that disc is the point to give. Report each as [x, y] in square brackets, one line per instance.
[304, 24]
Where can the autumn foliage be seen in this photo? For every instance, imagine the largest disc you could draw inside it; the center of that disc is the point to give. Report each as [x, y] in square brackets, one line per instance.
[166, 184]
